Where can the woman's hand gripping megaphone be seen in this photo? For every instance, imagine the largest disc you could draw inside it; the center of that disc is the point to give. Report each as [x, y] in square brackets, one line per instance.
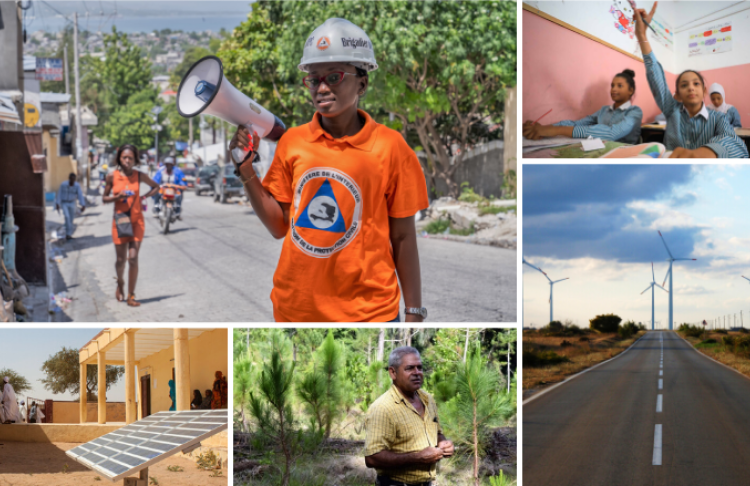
[241, 146]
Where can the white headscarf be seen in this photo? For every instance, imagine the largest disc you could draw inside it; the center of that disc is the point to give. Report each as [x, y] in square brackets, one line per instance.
[717, 88]
[6, 379]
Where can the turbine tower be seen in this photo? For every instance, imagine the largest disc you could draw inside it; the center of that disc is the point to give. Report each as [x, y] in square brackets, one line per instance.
[551, 287]
[653, 284]
[671, 259]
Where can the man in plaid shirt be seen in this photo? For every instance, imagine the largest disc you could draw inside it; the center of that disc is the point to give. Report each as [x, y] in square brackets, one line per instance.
[404, 440]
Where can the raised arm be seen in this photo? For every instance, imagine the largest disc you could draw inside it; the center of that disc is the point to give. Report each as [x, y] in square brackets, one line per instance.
[273, 214]
[654, 72]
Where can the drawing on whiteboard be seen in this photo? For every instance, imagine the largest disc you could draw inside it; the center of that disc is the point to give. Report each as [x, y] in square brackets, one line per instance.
[623, 14]
[715, 39]
[665, 35]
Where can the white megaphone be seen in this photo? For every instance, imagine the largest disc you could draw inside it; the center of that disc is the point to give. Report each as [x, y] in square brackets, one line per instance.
[204, 89]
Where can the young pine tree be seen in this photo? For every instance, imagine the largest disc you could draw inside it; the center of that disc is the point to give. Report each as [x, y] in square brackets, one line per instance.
[480, 404]
[271, 407]
[323, 388]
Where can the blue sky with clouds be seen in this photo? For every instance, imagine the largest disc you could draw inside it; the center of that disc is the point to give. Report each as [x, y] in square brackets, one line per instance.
[598, 225]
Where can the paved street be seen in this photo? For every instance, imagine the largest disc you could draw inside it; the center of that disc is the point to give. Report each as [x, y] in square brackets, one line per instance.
[641, 419]
[218, 263]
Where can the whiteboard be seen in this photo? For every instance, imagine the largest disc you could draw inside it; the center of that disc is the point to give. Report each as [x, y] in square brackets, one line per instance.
[610, 22]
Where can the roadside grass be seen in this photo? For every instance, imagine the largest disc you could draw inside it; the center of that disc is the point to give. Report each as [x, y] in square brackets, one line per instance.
[550, 359]
[728, 347]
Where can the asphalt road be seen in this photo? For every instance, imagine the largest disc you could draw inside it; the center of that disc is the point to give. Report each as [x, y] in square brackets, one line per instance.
[600, 429]
[218, 264]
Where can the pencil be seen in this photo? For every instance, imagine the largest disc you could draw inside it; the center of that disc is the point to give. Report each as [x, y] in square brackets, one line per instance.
[537, 120]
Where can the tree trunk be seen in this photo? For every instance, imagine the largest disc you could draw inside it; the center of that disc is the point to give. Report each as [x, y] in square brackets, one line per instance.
[466, 345]
[408, 337]
[381, 344]
[475, 434]
[508, 367]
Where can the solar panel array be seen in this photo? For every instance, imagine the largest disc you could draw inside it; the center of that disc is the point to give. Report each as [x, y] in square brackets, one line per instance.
[136, 446]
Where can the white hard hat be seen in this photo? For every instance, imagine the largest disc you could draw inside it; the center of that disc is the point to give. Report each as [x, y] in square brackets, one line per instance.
[338, 40]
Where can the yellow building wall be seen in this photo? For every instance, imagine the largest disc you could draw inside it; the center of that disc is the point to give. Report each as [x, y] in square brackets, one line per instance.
[58, 167]
[208, 354]
[68, 412]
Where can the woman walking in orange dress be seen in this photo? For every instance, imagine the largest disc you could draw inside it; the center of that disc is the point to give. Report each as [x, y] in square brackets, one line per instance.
[128, 224]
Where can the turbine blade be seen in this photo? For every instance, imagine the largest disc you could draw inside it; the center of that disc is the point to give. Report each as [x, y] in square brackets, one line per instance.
[684, 259]
[665, 290]
[647, 289]
[566, 278]
[665, 245]
[748, 279]
[666, 276]
[653, 277]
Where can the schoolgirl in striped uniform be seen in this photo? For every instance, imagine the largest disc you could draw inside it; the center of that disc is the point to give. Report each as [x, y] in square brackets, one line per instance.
[620, 121]
[693, 131]
[716, 92]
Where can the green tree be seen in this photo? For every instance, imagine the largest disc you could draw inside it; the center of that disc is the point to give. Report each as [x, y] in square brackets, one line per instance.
[243, 380]
[323, 388]
[132, 122]
[17, 381]
[443, 68]
[480, 404]
[271, 407]
[605, 323]
[62, 374]
[124, 73]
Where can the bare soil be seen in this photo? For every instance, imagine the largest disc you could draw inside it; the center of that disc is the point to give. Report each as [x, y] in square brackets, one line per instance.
[33, 464]
[583, 351]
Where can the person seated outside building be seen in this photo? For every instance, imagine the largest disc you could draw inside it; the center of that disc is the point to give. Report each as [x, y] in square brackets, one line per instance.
[206, 405]
[220, 390]
[197, 400]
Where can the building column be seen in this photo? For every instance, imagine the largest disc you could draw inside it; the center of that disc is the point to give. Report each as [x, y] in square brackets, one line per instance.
[182, 369]
[101, 387]
[131, 414]
[83, 416]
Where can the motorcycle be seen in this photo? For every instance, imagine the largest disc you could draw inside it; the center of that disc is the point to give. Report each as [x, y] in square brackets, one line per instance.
[167, 214]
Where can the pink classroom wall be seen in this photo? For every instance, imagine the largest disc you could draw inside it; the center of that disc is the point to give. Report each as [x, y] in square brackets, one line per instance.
[734, 80]
[571, 74]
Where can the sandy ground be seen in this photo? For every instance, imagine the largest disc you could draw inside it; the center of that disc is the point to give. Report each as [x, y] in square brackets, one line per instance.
[29, 464]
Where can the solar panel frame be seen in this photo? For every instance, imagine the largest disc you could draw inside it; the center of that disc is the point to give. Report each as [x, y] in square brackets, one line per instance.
[160, 436]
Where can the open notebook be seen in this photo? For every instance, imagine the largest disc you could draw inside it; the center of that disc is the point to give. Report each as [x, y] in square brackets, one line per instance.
[651, 150]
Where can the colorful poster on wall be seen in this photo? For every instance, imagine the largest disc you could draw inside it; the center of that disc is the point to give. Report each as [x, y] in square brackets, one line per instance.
[714, 39]
[664, 33]
[49, 69]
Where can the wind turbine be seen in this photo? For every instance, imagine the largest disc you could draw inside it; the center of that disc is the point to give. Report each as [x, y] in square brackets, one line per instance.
[653, 284]
[748, 279]
[671, 259]
[551, 286]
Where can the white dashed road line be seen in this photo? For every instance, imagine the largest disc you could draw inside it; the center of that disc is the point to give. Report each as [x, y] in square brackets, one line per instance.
[657, 446]
[659, 403]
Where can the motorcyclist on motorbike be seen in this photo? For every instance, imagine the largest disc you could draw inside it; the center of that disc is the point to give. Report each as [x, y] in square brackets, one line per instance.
[169, 174]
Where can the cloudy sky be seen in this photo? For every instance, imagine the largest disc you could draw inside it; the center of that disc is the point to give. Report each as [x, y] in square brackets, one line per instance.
[598, 225]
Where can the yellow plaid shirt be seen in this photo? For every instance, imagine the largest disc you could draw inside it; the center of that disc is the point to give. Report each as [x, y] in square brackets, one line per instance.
[393, 424]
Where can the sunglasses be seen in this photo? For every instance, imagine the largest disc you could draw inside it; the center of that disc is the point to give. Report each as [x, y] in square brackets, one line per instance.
[331, 79]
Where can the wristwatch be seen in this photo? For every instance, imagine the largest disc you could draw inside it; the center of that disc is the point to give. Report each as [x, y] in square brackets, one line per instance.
[418, 311]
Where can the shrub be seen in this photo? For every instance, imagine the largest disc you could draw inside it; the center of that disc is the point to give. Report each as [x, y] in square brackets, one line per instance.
[438, 226]
[627, 330]
[720, 331]
[690, 330]
[584, 338]
[709, 341]
[743, 330]
[565, 344]
[605, 323]
[728, 340]
[538, 359]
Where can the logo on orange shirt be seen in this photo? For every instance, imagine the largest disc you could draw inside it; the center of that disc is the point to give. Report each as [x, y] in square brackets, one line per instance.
[328, 205]
[324, 43]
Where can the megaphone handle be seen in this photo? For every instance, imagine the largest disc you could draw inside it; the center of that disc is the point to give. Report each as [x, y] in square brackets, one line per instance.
[240, 155]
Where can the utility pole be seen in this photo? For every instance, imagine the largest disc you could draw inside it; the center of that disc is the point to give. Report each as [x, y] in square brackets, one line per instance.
[67, 80]
[79, 126]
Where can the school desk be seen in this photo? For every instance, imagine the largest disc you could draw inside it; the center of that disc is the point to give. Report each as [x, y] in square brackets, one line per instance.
[572, 151]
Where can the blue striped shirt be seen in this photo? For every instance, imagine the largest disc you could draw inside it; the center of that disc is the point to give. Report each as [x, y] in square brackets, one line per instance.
[734, 117]
[706, 129]
[620, 125]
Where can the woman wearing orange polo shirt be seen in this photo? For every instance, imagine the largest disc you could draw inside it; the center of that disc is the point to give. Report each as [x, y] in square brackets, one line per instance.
[342, 191]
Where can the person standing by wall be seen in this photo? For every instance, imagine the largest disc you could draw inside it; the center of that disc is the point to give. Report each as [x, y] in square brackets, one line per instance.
[69, 193]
